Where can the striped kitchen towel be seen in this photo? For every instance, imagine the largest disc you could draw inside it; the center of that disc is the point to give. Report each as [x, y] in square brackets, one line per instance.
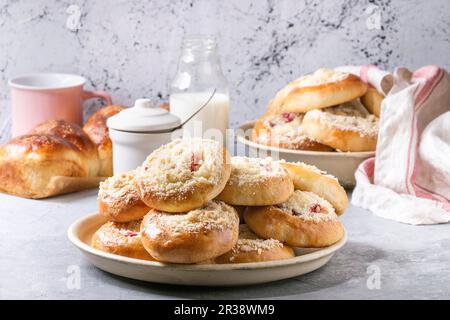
[409, 179]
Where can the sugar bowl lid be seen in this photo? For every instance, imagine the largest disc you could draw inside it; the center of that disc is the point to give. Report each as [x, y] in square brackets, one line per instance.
[144, 116]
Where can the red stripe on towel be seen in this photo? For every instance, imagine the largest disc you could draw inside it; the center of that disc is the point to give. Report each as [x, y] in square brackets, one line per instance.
[438, 196]
[432, 76]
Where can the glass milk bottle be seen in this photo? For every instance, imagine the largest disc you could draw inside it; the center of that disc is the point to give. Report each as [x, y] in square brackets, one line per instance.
[199, 74]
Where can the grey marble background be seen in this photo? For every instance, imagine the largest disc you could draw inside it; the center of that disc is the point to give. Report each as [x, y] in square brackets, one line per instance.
[130, 48]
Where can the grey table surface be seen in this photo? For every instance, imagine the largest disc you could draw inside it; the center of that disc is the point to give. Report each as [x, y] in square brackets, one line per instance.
[36, 260]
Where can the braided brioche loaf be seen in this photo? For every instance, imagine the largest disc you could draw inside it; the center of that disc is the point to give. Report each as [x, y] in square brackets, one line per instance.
[98, 132]
[56, 148]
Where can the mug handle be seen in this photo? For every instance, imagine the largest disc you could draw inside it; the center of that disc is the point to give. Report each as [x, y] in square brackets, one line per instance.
[98, 94]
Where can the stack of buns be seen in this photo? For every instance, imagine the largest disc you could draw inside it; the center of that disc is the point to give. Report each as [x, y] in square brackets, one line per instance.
[189, 202]
[324, 111]
[56, 148]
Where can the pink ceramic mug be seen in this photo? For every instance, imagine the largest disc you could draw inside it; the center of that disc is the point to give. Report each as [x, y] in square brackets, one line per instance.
[39, 97]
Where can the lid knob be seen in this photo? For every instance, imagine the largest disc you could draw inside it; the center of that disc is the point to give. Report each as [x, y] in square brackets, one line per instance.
[145, 116]
[144, 103]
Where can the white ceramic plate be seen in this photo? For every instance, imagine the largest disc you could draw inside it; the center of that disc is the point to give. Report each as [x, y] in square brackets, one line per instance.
[340, 164]
[307, 260]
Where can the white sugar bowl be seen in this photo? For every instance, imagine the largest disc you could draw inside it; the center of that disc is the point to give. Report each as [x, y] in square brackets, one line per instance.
[135, 132]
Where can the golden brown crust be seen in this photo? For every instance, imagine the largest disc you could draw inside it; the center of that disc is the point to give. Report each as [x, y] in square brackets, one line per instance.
[54, 148]
[96, 127]
[122, 239]
[262, 193]
[271, 222]
[251, 248]
[119, 200]
[342, 140]
[260, 188]
[191, 248]
[310, 178]
[372, 100]
[189, 199]
[190, 237]
[27, 163]
[277, 137]
[73, 134]
[187, 194]
[284, 252]
[301, 230]
[123, 212]
[321, 90]
[44, 145]
[98, 132]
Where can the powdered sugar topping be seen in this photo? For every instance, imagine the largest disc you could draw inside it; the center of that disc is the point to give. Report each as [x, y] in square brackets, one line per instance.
[348, 116]
[246, 170]
[250, 242]
[118, 189]
[309, 206]
[182, 164]
[215, 215]
[310, 167]
[284, 129]
[321, 76]
[116, 233]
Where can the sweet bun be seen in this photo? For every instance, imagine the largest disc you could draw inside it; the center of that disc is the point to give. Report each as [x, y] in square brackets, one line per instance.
[27, 164]
[123, 239]
[284, 130]
[183, 174]
[345, 127]
[324, 88]
[305, 220]
[119, 200]
[98, 132]
[74, 135]
[310, 178]
[191, 237]
[372, 100]
[256, 182]
[251, 248]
